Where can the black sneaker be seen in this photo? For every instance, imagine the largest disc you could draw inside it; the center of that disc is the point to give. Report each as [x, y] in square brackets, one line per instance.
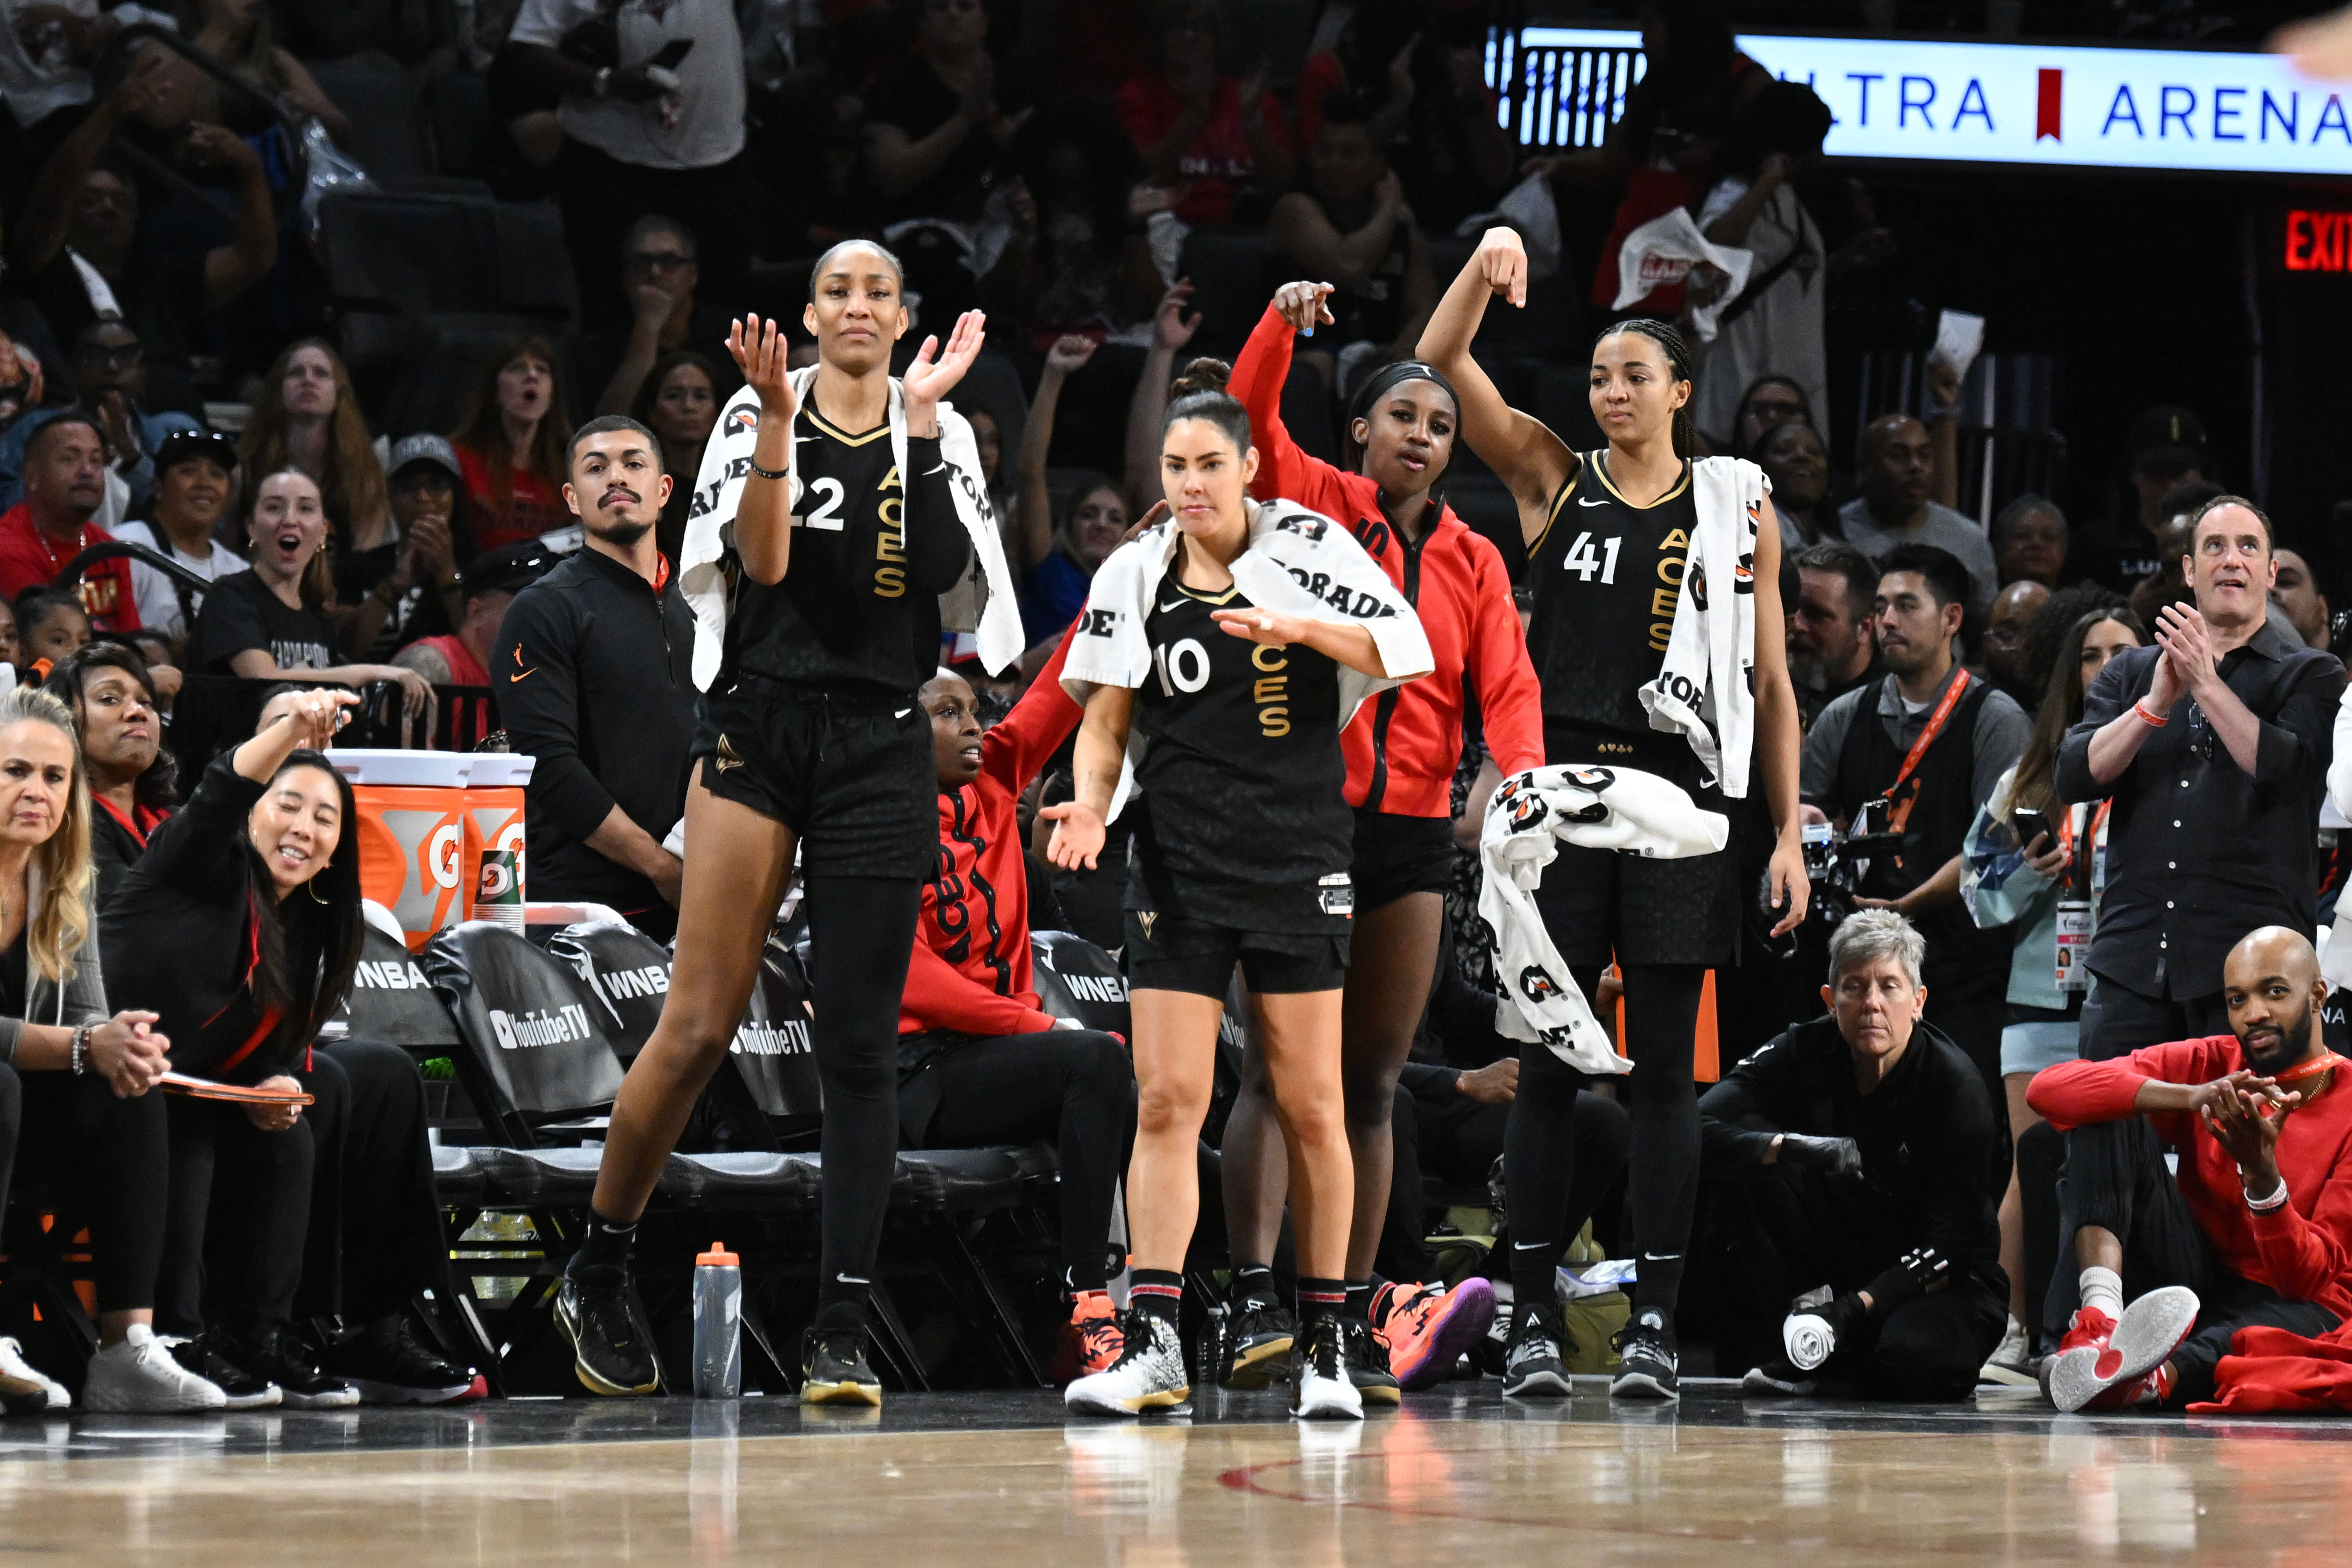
[1647, 1359]
[274, 1353]
[1534, 1366]
[389, 1365]
[204, 1357]
[596, 1307]
[1490, 1353]
[834, 1369]
[1368, 1366]
[1260, 1342]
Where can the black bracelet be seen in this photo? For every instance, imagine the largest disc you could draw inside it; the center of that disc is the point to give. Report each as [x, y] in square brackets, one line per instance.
[768, 473]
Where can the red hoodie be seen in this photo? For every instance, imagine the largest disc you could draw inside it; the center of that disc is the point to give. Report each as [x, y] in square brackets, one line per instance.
[2303, 1248]
[969, 968]
[1403, 746]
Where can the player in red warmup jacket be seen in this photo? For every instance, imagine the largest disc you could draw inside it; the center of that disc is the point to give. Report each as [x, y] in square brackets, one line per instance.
[1402, 750]
[2254, 1232]
[979, 1062]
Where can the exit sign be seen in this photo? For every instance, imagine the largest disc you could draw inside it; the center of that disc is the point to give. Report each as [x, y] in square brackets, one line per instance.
[2317, 241]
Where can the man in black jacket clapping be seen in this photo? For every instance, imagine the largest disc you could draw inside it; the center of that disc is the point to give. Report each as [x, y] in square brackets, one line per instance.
[1864, 1147]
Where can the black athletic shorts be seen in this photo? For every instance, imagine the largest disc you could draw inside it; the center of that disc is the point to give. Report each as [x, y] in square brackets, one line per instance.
[854, 777]
[1605, 906]
[1171, 953]
[1396, 855]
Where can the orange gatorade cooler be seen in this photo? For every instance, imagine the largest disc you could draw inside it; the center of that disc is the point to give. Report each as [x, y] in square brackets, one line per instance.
[494, 819]
[412, 832]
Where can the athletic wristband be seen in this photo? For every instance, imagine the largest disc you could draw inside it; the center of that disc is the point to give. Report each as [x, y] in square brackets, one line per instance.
[2276, 1200]
[2148, 718]
[753, 464]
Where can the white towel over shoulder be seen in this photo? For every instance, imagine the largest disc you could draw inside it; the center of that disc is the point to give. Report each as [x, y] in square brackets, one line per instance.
[1706, 688]
[1530, 816]
[718, 492]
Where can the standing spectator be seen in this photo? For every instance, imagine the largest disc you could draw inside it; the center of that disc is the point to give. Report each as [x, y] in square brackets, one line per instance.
[81, 210]
[1832, 649]
[462, 658]
[2165, 448]
[1893, 508]
[652, 112]
[65, 484]
[405, 585]
[1929, 741]
[1352, 228]
[2213, 747]
[1796, 459]
[308, 417]
[241, 35]
[1058, 558]
[680, 403]
[662, 272]
[1770, 402]
[1221, 139]
[591, 673]
[196, 473]
[2296, 591]
[134, 779]
[934, 128]
[2029, 540]
[2013, 610]
[511, 447]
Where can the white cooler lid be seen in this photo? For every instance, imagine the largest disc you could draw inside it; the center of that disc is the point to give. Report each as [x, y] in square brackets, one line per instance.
[405, 769]
[500, 769]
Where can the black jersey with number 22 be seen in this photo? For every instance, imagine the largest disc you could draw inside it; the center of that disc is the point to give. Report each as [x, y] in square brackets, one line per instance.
[1606, 575]
[1242, 779]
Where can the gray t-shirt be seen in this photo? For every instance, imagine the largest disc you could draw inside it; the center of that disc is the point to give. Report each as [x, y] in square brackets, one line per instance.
[1943, 528]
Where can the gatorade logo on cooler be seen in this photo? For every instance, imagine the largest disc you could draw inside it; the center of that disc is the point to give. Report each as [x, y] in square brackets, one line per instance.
[784, 1036]
[547, 1026]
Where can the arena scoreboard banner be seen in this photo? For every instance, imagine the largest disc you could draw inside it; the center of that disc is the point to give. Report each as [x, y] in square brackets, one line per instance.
[2029, 103]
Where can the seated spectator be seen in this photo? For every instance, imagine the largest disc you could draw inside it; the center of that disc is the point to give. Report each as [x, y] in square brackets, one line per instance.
[511, 447]
[2295, 591]
[76, 245]
[2003, 643]
[679, 403]
[54, 626]
[1349, 227]
[24, 380]
[1797, 460]
[2168, 581]
[111, 373]
[266, 622]
[1832, 637]
[65, 484]
[196, 474]
[934, 126]
[11, 647]
[462, 658]
[1222, 141]
[1057, 559]
[133, 778]
[2022, 864]
[2028, 542]
[1771, 400]
[308, 417]
[649, 127]
[1863, 1149]
[75, 1101]
[979, 1062]
[2249, 1232]
[1893, 508]
[406, 587]
[659, 268]
[1079, 259]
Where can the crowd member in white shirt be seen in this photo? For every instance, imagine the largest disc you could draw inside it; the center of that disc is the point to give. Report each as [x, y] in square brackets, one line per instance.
[195, 477]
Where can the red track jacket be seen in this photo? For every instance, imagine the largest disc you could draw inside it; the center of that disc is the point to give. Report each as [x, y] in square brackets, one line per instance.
[1403, 746]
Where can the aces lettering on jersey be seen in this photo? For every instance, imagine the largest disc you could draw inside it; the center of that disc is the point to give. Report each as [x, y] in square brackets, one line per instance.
[890, 543]
[1183, 666]
[1584, 559]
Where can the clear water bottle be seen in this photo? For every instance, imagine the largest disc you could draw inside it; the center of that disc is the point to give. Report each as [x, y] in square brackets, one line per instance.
[1214, 1353]
[718, 1324]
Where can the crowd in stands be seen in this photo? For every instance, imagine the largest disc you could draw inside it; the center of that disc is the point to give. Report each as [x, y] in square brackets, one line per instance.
[2056, 788]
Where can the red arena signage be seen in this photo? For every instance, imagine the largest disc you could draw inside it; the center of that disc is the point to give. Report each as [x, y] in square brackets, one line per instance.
[2318, 241]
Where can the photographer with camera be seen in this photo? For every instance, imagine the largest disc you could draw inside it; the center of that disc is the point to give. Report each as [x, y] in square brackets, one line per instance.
[1914, 755]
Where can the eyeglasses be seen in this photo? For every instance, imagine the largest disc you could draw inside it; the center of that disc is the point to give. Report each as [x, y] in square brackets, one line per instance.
[1765, 408]
[656, 260]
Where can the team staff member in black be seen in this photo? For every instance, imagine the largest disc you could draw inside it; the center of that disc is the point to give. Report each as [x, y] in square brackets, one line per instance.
[1603, 531]
[1243, 856]
[591, 674]
[812, 736]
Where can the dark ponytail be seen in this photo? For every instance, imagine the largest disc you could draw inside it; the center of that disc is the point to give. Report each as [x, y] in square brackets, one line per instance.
[1199, 393]
[1678, 365]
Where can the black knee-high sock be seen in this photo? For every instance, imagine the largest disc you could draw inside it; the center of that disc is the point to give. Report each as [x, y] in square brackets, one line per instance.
[860, 932]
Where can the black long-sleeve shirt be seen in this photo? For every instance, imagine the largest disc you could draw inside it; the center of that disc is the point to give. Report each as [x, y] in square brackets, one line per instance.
[594, 678]
[2198, 853]
[1930, 1155]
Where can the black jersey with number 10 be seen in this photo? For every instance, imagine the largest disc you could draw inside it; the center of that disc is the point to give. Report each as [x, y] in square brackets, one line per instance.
[1243, 778]
[1606, 576]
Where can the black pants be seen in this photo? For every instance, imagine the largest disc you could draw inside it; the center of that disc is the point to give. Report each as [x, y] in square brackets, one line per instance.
[601, 196]
[108, 1159]
[1460, 1142]
[1541, 1160]
[2118, 1021]
[375, 1239]
[1073, 1088]
[2116, 1179]
[240, 1206]
[1792, 1234]
[860, 931]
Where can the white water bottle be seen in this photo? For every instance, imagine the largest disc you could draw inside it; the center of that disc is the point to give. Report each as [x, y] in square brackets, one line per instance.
[718, 1324]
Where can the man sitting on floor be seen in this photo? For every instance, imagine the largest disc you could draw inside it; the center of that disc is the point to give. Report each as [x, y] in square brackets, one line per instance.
[1863, 1146]
[2255, 1230]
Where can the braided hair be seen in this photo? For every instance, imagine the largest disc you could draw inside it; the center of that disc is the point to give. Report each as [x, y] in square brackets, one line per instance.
[1678, 365]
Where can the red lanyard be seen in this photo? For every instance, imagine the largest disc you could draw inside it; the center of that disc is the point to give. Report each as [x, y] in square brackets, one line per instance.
[1935, 727]
[2066, 826]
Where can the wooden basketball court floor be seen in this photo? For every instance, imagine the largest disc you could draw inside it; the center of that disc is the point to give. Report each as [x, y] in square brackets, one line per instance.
[977, 1481]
